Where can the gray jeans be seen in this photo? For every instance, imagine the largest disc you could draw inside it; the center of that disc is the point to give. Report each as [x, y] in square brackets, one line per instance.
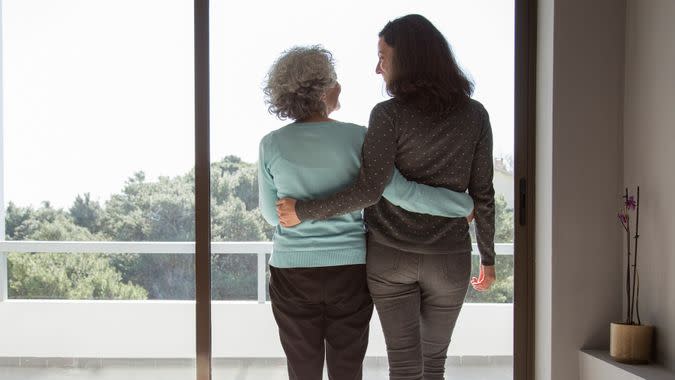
[418, 298]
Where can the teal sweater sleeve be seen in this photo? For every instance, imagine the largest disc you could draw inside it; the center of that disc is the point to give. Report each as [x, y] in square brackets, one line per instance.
[424, 199]
[409, 195]
[267, 191]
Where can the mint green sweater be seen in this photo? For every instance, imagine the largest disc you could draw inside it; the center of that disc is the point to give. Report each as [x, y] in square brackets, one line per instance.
[314, 160]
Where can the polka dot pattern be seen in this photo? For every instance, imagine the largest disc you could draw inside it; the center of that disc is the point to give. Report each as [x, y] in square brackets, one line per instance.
[454, 152]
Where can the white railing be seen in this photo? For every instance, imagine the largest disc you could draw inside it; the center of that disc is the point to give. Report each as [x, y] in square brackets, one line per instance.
[165, 329]
[261, 249]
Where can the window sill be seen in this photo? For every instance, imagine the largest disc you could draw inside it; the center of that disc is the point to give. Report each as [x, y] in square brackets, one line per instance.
[597, 364]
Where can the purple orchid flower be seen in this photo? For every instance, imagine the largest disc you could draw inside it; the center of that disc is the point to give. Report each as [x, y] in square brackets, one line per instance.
[630, 203]
[623, 218]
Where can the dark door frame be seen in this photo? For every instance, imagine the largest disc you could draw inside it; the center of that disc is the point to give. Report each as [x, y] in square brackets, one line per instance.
[524, 167]
[202, 191]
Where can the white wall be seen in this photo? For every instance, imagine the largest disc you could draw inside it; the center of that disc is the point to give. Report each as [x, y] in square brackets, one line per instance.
[580, 115]
[649, 159]
[165, 329]
[543, 191]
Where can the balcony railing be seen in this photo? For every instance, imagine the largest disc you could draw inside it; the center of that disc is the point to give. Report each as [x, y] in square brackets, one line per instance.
[260, 249]
[165, 329]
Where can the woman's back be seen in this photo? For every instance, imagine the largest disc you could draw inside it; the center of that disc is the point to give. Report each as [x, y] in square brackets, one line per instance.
[313, 160]
[454, 152]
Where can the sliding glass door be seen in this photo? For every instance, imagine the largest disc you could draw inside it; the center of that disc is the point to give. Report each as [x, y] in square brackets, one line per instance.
[245, 39]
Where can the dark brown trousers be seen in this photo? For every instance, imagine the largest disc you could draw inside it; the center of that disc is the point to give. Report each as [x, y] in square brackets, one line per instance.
[322, 313]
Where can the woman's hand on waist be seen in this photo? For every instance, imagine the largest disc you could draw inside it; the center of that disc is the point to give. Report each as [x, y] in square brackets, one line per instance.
[286, 212]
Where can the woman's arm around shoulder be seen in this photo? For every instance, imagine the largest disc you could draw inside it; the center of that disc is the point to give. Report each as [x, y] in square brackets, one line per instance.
[424, 199]
[377, 163]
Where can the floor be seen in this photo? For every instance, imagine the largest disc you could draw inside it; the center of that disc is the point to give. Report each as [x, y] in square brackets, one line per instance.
[465, 368]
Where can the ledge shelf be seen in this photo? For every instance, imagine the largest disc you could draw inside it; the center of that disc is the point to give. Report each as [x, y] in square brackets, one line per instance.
[598, 365]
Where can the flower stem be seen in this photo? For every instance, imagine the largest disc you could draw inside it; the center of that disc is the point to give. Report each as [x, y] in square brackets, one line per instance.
[635, 253]
[628, 304]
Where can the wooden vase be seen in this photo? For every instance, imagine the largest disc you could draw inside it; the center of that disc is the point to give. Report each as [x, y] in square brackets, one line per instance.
[630, 344]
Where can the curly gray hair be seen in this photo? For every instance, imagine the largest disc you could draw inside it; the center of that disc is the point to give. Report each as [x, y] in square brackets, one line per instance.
[297, 82]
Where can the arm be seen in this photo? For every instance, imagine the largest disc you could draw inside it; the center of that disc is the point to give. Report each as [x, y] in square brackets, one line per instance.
[424, 199]
[377, 164]
[267, 191]
[483, 194]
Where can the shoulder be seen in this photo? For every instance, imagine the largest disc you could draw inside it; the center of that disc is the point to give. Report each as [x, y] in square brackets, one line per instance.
[477, 109]
[352, 128]
[390, 107]
[480, 120]
[268, 143]
[274, 135]
[265, 141]
[386, 112]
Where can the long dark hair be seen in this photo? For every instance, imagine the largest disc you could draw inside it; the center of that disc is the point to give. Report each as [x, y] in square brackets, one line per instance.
[424, 70]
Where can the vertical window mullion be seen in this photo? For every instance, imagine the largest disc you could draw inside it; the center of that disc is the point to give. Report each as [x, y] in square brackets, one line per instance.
[525, 72]
[202, 191]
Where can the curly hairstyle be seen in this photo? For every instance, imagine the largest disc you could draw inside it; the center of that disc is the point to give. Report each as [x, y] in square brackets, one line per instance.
[425, 72]
[297, 81]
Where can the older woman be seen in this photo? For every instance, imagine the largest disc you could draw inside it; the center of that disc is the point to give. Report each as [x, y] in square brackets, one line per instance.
[436, 134]
[318, 287]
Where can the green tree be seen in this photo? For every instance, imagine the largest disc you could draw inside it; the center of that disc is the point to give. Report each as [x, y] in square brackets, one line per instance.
[164, 211]
[151, 211]
[234, 276]
[87, 213]
[503, 220]
[161, 210]
[232, 178]
[61, 275]
[154, 211]
[14, 218]
[236, 217]
[232, 222]
[228, 165]
[67, 276]
[48, 223]
[245, 185]
[264, 226]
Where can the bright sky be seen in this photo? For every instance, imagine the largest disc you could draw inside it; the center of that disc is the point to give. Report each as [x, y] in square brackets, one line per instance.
[95, 90]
